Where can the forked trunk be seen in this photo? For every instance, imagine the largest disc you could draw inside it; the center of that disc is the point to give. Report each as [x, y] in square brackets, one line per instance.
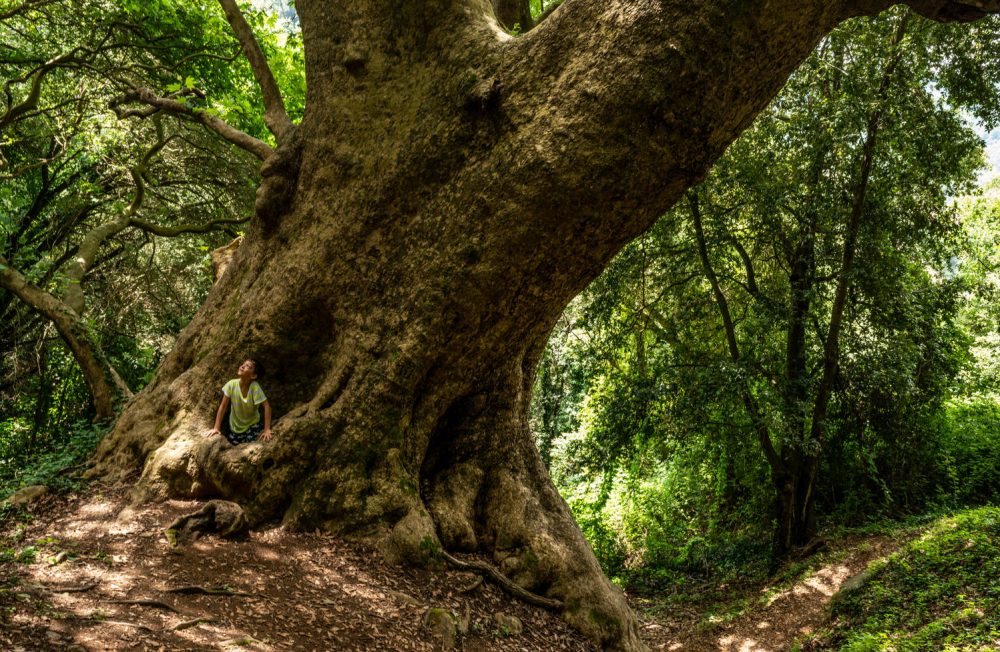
[795, 522]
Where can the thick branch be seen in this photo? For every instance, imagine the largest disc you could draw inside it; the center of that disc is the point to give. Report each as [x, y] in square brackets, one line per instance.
[181, 229]
[25, 7]
[30, 103]
[275, 115]
[92, 242]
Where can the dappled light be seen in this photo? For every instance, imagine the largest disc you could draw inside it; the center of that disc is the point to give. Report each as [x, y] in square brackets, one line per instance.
[776, 615]
[556, 325]
[92, 582]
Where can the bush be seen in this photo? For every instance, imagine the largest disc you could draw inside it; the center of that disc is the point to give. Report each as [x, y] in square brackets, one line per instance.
[970, 453]
[55, 467]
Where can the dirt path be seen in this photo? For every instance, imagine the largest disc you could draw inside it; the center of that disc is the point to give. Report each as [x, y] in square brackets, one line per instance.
[89, 578]
[776, 618]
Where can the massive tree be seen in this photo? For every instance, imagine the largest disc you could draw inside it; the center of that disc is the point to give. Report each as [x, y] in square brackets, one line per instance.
[449, 189]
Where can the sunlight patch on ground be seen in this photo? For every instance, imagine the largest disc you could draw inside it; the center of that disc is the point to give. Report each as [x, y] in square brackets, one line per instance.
[735, 644]
[825, 581]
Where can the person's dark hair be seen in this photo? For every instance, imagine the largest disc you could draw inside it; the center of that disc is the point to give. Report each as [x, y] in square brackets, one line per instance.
[258, 368]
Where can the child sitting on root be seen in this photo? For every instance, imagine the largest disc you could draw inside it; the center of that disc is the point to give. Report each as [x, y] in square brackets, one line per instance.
[243, 395]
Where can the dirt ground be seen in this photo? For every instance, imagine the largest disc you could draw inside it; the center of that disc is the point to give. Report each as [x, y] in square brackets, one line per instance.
[293, 591]
[85, 573]
[776, 616]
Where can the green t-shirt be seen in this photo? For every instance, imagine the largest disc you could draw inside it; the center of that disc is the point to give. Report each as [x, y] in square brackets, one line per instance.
[243, 411]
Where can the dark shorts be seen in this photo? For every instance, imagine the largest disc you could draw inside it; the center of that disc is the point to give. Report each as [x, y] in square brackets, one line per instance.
[245, 437]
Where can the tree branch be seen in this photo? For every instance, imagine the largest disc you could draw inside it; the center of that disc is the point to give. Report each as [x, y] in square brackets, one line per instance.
[14, 111]
[96, 237]
[749, 402]
[24, 7]
[180, 229]
[88, 354]
[155, 103]
[831, 347]
[275, 115]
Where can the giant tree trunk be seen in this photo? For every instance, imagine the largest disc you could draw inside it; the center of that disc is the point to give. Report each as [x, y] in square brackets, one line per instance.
[449, 190]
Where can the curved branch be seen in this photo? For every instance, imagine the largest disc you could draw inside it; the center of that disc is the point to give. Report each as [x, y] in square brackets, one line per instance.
[181, 229]
[30, 103]
[275, 115]
[96, 370]
[25, 7]
[155, 103]
[96, 237]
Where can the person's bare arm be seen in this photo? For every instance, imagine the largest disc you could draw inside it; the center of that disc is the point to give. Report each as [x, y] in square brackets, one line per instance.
[266, 435]
[221, 412]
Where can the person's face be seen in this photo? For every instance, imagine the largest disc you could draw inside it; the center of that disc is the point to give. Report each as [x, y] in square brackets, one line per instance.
[247, 369]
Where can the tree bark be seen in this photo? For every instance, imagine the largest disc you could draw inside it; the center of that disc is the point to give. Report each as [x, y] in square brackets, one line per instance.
[417, 236]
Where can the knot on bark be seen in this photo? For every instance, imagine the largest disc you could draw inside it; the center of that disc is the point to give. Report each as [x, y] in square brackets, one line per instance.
[220, 517]
[280, 176]
[482, 94]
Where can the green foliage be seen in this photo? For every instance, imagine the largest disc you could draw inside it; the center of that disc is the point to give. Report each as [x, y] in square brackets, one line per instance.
[640, 406]
[969, 461]
[54, 462]
[940, 592]
[66, 166]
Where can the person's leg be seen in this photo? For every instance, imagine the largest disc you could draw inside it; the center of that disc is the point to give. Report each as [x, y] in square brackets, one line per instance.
[249, 435]
[227, 431]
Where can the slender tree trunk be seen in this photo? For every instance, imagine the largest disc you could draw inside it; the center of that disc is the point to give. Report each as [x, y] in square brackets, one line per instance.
[97, 373]
[831, 350]
[792, 515]
[43, 398]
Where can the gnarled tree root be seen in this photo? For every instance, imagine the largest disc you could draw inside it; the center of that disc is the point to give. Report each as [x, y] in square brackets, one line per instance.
[146, 603]
[217, 516]
[503, 582]
[206, 590]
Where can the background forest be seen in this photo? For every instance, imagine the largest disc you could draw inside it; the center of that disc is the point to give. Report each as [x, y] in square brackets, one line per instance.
[815, 329]
[810, 341]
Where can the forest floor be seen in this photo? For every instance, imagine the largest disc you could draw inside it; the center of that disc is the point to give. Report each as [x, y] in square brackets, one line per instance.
[84, 573]
[769, 616]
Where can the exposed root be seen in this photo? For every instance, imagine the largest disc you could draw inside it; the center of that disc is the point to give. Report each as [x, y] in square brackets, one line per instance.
[472, 586]
[125, 623]
[73, 589]
[503, 582]
[206, 590]
[146, 603]
[818, 544]
[187, 624]
[219, 516]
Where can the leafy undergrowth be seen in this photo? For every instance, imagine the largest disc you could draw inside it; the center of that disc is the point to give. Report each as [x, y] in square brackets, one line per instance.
[939, 592]
[56, 461]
